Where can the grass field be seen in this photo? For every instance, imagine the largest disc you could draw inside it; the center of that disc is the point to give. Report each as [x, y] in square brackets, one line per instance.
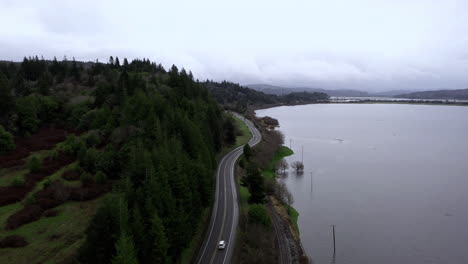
[51, 239]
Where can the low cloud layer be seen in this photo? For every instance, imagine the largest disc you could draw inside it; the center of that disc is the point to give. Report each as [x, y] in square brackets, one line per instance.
[362, 44]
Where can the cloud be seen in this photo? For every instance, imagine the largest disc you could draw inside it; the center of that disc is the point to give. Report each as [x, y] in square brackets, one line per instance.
[359, 44]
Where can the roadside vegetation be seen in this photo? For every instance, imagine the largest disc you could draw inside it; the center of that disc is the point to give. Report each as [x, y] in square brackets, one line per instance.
[258, 188]
[105, 162]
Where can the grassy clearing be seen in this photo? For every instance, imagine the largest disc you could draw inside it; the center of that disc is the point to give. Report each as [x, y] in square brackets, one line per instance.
[244, 197]
[246, 134]
[55, 176]
[284, 151]
[240, 140]
[8, 176]
[51, 239]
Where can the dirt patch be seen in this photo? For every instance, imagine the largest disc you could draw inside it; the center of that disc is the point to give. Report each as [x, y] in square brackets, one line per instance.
[50, 213]
[46, 138]
[13, 241]
[54, 237]
[28, 214]
[89, 192]
[71, 175]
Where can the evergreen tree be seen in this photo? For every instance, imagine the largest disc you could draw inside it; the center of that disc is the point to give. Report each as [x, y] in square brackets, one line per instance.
[75, 72]
[6, 141]
[125, 64]
[45, 82]
[229, 127]
[160, 244]
[247, 152]
[125, 250]
[255, 183]
[6, 97]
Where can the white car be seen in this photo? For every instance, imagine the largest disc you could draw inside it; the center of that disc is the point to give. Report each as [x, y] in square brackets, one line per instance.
[221, 244]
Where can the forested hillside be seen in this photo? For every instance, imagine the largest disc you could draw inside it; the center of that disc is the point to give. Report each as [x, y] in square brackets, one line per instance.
[236, 97]
[460, 94]
[139, 138]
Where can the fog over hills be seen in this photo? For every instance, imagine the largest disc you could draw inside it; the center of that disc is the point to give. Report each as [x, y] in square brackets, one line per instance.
[280, 90]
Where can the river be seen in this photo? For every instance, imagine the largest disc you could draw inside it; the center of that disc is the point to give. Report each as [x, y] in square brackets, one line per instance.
[393, 178]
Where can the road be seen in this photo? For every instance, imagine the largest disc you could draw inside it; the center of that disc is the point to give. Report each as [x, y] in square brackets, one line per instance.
[225, 214]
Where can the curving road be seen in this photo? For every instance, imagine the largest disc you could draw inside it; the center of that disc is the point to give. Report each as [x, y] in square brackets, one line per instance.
[225, 214]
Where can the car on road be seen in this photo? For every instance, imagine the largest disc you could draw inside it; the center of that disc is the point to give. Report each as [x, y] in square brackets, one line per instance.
[221, 244]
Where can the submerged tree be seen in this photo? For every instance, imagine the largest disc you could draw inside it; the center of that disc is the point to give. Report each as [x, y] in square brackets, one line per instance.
[298, 166]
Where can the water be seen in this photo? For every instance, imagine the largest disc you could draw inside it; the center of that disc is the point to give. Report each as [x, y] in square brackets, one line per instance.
[392, 178]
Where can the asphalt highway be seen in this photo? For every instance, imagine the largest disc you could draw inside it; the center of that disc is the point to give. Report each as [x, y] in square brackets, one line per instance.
[225, 214]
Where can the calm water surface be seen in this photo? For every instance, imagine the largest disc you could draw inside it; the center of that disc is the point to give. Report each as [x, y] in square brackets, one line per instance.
[392, 178]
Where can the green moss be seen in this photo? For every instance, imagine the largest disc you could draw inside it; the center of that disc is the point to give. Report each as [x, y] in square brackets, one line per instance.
[294, 215]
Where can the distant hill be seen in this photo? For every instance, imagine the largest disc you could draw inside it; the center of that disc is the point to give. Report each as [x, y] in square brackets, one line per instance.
[236, 97]
[461, 94]
[278, 90]
[391, 93]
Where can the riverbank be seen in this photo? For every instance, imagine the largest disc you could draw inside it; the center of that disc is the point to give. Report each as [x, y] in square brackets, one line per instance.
[270, 172]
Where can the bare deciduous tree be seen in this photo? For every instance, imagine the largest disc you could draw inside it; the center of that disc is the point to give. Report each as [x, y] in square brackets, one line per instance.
[298, 166]
[282, 166]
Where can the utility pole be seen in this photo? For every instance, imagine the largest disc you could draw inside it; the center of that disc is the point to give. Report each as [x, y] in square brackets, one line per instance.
[290, 140]
[302, 159]
[334, 245]
[311, 185]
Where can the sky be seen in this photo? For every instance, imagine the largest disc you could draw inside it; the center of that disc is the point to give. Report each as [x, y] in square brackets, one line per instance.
[371, 45]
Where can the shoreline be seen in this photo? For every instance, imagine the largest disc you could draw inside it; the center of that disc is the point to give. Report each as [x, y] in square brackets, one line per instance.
[364, 101]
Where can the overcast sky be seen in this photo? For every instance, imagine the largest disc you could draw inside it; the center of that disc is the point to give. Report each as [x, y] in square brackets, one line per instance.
[358, 44]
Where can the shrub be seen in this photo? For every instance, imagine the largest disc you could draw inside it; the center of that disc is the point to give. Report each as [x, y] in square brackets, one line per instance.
[100, 177]
[35, 164]
[86, 179]
[31, 200]
[242, 163]
[93, 139]
[46, 184]
[88, 162]
[18, 182]
[6, 141]
[258, 214]
[54, 154]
